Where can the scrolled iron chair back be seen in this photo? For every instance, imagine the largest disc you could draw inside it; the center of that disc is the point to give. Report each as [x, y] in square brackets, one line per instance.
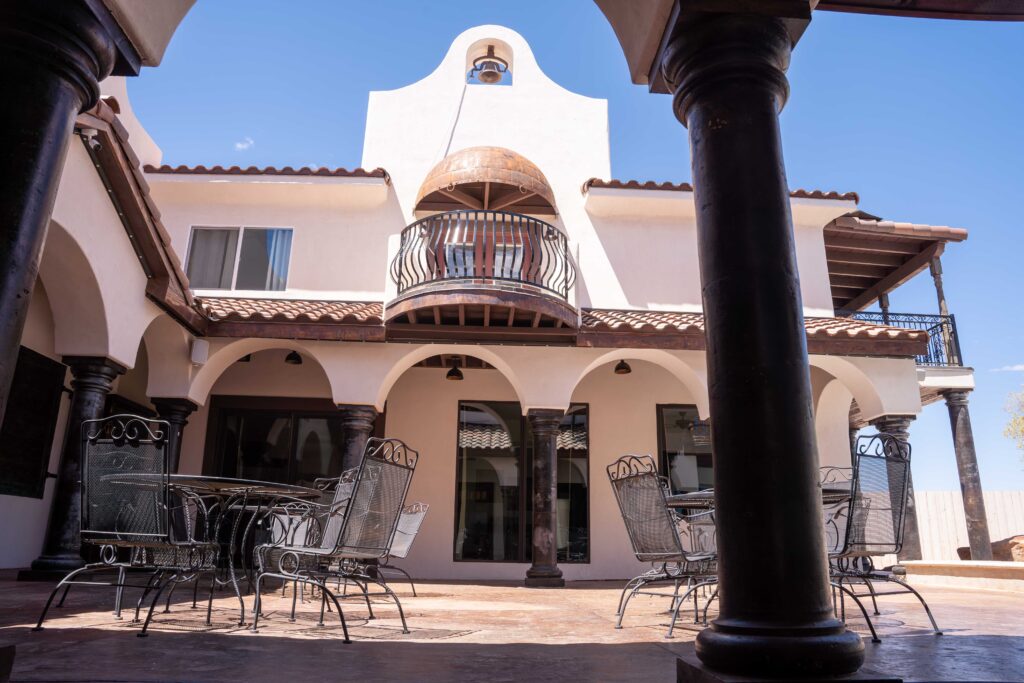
[377, 499]
[641, 498]
[877, 509]
[409, 523]
[125, 480]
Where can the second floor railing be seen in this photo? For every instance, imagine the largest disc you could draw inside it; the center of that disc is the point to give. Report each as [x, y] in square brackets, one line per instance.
[943, 342]
[495, 246]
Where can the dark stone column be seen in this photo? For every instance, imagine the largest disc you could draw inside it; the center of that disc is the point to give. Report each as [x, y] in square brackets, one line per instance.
[176, 412]
[92, 378]
[899, 427]
[357, 422]
[53, 53]
[544, 572]
[970, 479]
[727, 73]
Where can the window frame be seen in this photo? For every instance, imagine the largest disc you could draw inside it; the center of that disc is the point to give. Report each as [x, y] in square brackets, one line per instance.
[240, 228]
[662, 461]
[214, 456]
[526, 456]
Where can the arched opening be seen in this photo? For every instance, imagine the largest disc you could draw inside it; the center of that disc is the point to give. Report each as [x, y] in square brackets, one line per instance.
[476, 469]
[634, 406]
[76, 300]
[268, 415]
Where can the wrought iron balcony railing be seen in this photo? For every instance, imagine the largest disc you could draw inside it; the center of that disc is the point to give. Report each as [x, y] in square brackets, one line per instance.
[943, 342]
[486, 246]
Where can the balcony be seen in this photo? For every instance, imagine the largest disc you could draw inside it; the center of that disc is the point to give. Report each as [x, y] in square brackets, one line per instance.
[943, 342]
[483, 269]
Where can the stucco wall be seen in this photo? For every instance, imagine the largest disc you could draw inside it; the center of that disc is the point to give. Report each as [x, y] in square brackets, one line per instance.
[23, 520]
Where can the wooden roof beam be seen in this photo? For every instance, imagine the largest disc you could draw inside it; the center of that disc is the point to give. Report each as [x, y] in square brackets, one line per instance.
[896, 278]
[864, 258]
[906, 248]
[463, 198]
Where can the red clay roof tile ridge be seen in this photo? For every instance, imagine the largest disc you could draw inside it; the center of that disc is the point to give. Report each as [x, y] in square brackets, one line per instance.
[202, 169]
[616, 184]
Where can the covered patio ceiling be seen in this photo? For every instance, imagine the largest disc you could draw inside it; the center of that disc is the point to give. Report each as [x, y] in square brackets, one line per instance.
[868, 256]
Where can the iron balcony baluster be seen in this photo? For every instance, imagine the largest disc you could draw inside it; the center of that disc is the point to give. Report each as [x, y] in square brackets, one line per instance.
[487, 245]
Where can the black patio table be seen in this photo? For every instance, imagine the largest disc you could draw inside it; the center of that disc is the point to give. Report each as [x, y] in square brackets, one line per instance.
[705, 499]
[230, 495]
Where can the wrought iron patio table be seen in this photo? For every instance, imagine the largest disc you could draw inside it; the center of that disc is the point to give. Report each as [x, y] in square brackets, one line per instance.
[705, 499]
[230, 495]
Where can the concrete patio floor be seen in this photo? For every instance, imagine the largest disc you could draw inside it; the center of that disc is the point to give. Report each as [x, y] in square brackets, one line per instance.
[464, 632]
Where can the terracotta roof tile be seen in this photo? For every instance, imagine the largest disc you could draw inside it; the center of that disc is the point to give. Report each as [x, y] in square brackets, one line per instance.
[323, 171]
[292, 310]
[609, 320]
[687, 187]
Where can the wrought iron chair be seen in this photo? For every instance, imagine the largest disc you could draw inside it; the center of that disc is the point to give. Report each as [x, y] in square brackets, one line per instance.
[345, 537]
[681, 549]
[870, 522]
[409, 523]
[130, 512]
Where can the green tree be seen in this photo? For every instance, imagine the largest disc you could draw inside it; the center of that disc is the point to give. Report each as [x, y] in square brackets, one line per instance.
[1015, 425]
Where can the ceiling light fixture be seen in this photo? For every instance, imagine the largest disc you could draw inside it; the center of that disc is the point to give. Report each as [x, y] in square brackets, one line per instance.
[622, 368]
[293, 358]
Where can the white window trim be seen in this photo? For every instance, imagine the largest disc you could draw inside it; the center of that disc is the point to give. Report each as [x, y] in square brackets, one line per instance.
[238, 254]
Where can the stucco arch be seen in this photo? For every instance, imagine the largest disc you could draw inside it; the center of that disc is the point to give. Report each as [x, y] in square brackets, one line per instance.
[170, 368]
[832, 424]
[80, 324]
[222, 358]
[423, 352]
[856, 381]
[675, 366]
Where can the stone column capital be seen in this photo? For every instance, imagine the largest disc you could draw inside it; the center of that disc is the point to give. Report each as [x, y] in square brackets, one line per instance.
[545, 420]
[708, 50]
[897, 425]
[93, 372]
[65, 38]
[174, 410]
[956, 397]
[357, 417]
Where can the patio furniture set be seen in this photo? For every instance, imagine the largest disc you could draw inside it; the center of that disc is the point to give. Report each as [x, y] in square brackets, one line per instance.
[168, 530]
[864, 513]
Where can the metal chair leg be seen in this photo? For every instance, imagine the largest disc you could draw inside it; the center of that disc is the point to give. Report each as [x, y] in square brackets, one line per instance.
[156, 598]
[856, 600]
[156, 577]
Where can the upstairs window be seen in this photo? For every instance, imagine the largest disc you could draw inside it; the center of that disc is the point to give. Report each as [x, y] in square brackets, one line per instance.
[239, 258]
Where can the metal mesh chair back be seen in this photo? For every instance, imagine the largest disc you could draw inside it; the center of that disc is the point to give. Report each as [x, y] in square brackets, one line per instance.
[698, 535]
[409, 523]
[335, 497]
[125, 480]
[877, 509]
[641, 498]
[378, 497]
[835, 513]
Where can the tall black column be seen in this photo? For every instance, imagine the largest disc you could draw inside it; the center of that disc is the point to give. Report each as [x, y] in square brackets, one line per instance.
[357, 424]
[970, 479]
[176, 412]
[91, 381]
[544, 572]
[899, 427]
[727, 73]
[53, 53]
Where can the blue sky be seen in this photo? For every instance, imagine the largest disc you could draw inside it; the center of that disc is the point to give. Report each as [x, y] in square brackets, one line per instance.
[921, 118]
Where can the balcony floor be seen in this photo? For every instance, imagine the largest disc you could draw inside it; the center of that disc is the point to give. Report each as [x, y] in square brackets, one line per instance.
[466, 632]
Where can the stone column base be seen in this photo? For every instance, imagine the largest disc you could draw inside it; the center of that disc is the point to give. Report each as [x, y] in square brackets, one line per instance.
[544, 582]
[689, 669]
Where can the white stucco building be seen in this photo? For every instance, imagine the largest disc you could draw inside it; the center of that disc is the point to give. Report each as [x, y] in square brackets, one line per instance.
[287, 308]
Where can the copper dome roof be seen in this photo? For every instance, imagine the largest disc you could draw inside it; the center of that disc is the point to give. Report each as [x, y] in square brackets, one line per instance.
[489, 178]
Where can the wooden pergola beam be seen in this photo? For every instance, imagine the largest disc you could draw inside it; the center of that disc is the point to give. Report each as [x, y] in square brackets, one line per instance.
[896, 278]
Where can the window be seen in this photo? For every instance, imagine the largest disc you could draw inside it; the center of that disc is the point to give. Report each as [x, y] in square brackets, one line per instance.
[684, 449]
[292, 441]
[26, 437]
[218, 259]
[494, 483]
